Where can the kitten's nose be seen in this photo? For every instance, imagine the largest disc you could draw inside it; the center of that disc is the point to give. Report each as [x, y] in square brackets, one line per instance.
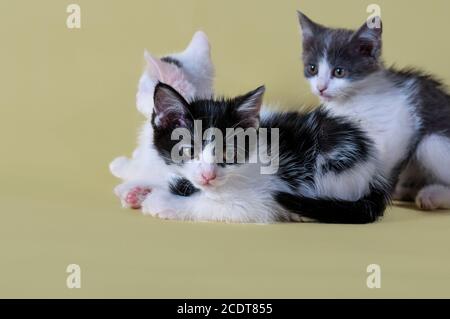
[208, 176]
[322, 88]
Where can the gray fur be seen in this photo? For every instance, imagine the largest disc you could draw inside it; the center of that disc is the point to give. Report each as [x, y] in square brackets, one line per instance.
[431, 100]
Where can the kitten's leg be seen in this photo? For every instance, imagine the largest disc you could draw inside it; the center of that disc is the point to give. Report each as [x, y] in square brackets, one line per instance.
[409, 183]
[433, 153]
[163, 204]
[132, 194]
[433, 197]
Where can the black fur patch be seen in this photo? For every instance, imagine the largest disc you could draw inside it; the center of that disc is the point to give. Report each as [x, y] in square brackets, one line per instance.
[182, 187]
[326, 210]
[305, 137]
[171, 60]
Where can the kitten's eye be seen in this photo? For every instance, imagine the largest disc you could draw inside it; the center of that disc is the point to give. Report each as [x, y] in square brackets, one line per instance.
[339, 72]
[313, 69]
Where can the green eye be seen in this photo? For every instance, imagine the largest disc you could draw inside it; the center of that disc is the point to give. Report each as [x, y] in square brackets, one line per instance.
[339, 72]
[313, 69]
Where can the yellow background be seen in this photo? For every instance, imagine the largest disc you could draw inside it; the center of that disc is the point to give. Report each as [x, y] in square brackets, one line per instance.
[67, 109]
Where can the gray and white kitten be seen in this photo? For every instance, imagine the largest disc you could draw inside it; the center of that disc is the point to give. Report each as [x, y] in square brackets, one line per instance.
[406, 112]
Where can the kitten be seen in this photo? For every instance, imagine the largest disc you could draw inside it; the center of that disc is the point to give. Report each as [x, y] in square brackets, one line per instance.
[191, 73]
[325, 166]
[406, 112]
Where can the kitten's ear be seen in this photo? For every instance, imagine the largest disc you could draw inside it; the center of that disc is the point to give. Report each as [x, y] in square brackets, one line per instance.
[156, 68]
[196, 60]
[309, 28]
[249, 106]
[170, 107]
[367, 39]
[199, 45]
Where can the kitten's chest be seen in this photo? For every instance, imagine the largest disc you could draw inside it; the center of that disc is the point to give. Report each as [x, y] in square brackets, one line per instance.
[388, 121]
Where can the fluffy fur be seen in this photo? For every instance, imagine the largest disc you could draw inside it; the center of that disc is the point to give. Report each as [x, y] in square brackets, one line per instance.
[406, 113]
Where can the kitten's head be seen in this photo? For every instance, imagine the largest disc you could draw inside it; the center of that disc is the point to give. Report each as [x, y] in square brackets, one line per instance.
[207, 155]
[190, 72]
[335, 60]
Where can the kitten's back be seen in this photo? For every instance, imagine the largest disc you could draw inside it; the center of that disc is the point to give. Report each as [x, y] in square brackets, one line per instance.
[429, 97]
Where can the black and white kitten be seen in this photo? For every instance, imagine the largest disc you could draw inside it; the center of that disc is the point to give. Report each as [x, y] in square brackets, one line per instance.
[406, 113]
[325, 166]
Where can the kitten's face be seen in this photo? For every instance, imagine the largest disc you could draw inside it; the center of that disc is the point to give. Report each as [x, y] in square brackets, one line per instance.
[207, 156]
[336, 60]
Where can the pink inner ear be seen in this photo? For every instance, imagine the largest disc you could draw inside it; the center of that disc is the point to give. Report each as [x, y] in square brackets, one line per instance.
[170, 74]
[155, 67]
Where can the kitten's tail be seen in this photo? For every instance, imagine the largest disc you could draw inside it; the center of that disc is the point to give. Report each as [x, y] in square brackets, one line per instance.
[325, 210]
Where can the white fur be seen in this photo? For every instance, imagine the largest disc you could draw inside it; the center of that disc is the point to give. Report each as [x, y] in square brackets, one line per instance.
[243, 198]
[433, 153]
[194, 80]
[240, 193]
[351, 184]
[334, 87]
[434, 197]
[196, 60]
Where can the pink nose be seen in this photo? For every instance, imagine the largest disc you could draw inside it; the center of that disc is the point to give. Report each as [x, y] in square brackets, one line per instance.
[322, 88]
[208, 176]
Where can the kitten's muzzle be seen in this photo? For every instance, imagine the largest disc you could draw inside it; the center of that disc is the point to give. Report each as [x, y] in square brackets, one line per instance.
[207, 177]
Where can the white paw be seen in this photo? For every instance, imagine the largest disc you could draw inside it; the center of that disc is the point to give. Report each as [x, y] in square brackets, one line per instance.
[432, 197]
[166, 214]
[118, 166]
[158, 204]
[131, 194]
